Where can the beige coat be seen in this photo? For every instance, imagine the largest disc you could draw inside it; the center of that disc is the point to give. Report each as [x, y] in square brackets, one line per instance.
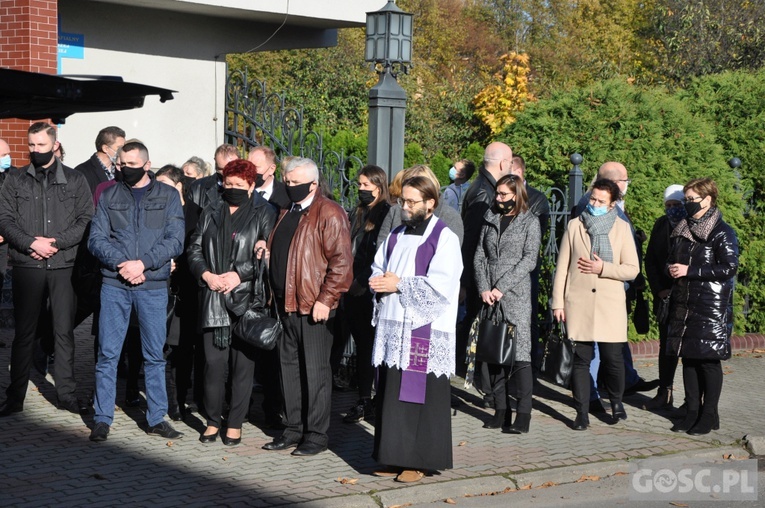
[595, 305]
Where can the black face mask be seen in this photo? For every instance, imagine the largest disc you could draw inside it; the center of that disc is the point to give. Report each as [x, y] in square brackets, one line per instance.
[40, 159]
[692, 207]
[298, 193]
[132, 176]
[259, 181]
[504, 207]
[365, 197]
[235, 197]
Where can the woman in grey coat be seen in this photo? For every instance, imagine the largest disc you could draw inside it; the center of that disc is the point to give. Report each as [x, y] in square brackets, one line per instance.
[507, 253]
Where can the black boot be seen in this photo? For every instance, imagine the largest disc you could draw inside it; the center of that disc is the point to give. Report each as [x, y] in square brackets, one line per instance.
[496, 420]
[686, 423]
[662, 400]
[618, 412]
[707, 421]
[582, 421]
[521, 424]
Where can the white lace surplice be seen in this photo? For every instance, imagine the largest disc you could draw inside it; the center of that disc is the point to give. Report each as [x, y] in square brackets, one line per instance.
[421, 300]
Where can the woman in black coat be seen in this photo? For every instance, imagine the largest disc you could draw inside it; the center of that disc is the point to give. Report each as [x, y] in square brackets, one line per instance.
[661, 283]
[221, 258]
[703, 260]
[365, 226]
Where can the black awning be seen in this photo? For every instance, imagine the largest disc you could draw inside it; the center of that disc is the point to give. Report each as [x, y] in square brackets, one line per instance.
[35, 96]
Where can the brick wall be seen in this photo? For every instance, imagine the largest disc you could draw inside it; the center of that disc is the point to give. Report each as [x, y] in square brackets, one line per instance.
[28, 42]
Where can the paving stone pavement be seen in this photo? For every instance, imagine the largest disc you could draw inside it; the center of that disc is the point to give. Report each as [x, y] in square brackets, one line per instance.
[47, 460]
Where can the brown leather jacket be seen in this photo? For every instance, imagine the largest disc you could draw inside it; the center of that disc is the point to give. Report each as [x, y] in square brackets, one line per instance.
[320, 263]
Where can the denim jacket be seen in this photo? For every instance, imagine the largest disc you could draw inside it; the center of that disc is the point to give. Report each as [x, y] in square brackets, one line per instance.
[153, 233]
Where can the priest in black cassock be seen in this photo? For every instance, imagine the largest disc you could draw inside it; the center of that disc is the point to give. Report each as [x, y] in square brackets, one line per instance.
[416, 278]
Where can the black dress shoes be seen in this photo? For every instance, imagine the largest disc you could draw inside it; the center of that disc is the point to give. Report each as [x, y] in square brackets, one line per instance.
[165, 430]
[231, 441]
[308, 448]
[582, 422]
[280, 443]
[100, 432]
[74, 406]
[208, 438]
[618, 412]
[642, 386]
[10, 407]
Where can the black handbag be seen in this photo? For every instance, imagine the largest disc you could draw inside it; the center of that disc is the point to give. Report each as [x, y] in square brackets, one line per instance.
[496, 338]
[558, 359]
[640, 315]
[260, 325]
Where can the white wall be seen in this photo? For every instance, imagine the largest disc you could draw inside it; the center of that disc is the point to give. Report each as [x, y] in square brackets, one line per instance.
[172, 131]
[179, 50]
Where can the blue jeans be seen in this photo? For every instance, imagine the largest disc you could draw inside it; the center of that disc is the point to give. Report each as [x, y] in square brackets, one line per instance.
[631, 375]
[151, 308]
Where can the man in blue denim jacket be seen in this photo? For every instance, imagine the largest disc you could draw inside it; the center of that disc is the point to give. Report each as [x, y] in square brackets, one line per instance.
[138, 228]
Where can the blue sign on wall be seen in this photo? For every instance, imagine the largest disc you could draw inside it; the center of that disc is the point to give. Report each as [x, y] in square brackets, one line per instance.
[71, 45]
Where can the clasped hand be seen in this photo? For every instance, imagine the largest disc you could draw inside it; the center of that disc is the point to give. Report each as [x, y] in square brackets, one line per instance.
[385, 283]
[491, 297]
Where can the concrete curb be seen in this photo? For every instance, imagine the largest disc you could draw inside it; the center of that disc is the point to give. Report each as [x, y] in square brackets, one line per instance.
[426, 494]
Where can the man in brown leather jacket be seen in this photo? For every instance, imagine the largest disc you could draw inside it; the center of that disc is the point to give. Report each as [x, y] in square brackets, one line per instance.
[311, 266]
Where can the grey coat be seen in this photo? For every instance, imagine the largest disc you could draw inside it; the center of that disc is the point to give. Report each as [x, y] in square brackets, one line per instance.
[444, 212]
[505, 262]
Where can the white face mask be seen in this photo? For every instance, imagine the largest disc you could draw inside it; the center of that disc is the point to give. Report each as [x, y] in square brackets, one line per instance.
[5, 162]
[624, 192]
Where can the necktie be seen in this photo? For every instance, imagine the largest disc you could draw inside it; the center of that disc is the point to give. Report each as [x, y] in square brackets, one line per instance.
[262, 193]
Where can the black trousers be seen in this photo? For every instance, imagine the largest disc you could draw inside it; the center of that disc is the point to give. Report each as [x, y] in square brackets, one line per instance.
[703, 379]
[358, 310]
[306, 376]
[611, 371]
[267, 374]
[667, 363]
[241, 365]
[500, 377]
[31, 286]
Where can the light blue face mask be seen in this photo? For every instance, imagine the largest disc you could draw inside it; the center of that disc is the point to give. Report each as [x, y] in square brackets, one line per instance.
[5, 162]
[597, 211]
[452, 173]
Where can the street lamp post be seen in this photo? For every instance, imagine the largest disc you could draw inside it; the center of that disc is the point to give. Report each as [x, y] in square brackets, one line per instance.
[389, 49]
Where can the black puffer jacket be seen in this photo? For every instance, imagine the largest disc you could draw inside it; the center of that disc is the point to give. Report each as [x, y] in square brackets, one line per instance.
[204, 254]
[701, 314]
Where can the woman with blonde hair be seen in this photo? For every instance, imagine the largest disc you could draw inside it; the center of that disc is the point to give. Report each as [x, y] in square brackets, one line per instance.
[446, 213]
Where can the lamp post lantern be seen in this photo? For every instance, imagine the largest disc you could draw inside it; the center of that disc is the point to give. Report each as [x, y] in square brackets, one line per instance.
[389, 49]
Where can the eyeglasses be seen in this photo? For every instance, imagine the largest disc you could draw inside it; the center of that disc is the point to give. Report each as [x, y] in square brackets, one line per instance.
[691, 199]
[408, 202]
[626, 180]
[504, 195]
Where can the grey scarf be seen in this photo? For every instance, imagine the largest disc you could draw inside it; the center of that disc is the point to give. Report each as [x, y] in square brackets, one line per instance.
[598, 229]
[698, 230]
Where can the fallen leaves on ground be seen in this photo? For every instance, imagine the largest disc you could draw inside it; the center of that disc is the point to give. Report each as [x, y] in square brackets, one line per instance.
[547, 484]
[449, 500]
[347, 481]
[462, 443]
[525, 487]
[170, 444]
[586, 478]
[620, 473]
[674, 503]
[400, 505]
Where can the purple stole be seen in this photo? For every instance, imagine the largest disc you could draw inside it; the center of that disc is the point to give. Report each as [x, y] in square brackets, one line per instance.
[414, 377]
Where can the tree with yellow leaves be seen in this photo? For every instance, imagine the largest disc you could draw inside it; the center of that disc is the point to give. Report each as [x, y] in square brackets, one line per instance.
[497, 104]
